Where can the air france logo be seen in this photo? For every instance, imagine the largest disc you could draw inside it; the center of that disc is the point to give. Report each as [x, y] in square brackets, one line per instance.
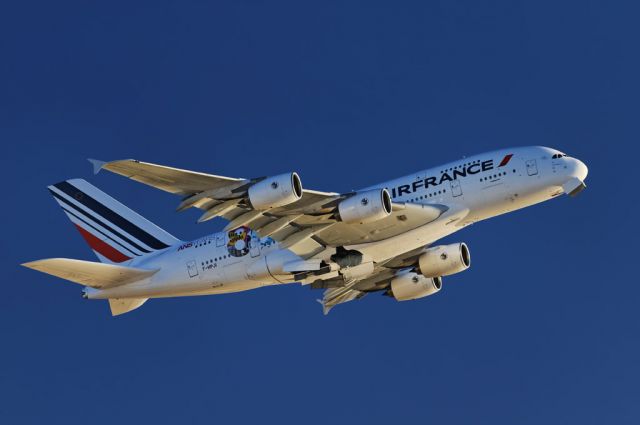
[462, 171]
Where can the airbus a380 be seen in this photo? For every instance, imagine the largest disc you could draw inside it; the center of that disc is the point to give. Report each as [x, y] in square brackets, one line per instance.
[379, 239]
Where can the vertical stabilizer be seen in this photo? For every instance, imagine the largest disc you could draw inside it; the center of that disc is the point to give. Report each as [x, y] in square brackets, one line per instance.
[114, 232]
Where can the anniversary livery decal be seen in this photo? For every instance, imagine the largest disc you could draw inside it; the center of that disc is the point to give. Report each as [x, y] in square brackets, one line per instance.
[239, 241]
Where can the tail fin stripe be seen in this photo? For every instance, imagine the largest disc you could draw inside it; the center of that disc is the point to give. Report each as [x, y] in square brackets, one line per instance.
[102, 248]
[86, 223]
[101, 223]
[106, 213]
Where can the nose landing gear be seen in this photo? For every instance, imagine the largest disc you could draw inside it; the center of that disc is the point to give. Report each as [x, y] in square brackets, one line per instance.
[573, 186]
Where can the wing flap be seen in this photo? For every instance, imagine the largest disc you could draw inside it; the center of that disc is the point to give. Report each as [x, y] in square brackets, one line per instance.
[89, 273]
[334, 296]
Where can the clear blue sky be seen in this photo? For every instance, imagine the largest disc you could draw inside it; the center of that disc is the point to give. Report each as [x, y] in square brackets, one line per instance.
[543, 329]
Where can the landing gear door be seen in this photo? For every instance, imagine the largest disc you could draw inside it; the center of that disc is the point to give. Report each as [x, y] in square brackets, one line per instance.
[255, 244]
[456, 190]
[532, 167]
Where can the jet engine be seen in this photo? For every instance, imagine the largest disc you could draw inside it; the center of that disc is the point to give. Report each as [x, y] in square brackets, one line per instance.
[365, 207]
[276, 191]
[444, 260]
[411, 286]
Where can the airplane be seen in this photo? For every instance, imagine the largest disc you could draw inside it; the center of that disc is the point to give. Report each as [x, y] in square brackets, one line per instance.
[382, 238]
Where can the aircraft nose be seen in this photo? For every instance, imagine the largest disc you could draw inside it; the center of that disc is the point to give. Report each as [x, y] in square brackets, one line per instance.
[578, 169]
[577, 172]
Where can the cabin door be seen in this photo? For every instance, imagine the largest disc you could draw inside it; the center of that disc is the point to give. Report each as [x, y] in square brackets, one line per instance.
[456, 190]
[532, 167]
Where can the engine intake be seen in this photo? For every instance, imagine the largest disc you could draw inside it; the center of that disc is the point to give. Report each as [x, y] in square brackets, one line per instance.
[445, 260]
[365, 207]
[276, 191]
[411, 286]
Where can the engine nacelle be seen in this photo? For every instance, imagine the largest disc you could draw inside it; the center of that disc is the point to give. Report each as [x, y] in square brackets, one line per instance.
[276, 191]
[411, 286]
[444, 260]
[365, 207]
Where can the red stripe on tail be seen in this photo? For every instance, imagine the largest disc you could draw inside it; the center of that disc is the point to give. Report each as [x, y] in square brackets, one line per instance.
[505, 160]
[102, 247]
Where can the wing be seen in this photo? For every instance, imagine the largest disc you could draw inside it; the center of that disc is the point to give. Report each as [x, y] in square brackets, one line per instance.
[308, 224]
[390, 257]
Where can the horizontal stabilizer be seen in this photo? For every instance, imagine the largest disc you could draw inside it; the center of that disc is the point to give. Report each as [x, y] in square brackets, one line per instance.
[89, 273]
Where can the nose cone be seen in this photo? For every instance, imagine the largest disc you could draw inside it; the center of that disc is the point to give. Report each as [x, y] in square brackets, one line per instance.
[577, 172]
[578, 169]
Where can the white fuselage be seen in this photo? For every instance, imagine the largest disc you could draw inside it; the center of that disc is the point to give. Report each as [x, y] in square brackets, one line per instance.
[474, 188]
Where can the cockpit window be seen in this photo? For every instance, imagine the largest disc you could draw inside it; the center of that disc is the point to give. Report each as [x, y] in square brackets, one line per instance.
[558, 155]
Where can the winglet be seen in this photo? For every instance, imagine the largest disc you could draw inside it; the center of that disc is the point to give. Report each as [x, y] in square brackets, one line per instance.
[97, 165]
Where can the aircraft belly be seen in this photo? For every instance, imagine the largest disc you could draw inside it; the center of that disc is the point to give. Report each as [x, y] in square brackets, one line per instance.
[212, 290]
[177, 289]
